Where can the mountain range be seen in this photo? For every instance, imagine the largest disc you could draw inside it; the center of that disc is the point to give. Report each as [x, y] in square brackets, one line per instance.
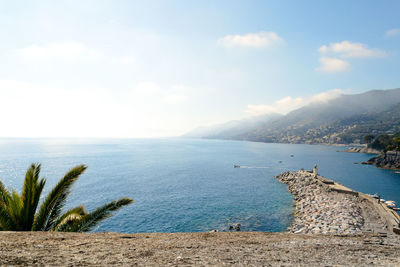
[342, 120]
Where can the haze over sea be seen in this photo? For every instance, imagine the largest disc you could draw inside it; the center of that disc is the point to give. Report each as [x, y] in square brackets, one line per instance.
[188, 185]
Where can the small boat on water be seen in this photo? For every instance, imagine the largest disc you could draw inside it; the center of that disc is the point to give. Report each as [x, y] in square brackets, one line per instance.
[390, 204]
[236, 166]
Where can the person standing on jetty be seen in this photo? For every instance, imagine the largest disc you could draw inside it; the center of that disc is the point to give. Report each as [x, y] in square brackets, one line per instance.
[315, 171]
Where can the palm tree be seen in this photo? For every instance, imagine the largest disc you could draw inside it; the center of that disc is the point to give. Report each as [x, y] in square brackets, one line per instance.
[19, 212]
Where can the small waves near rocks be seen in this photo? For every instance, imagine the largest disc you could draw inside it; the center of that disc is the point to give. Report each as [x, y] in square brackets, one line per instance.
[320, 210]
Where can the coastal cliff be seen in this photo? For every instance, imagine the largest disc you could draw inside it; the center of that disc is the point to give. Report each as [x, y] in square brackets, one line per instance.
[386, 160]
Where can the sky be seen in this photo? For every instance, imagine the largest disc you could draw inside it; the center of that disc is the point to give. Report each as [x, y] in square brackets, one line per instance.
[138, 69]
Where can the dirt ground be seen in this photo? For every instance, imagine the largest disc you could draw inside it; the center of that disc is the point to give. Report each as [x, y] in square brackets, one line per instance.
[196, 249]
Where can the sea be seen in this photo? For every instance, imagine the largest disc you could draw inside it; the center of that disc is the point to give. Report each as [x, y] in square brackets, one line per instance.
[188, 185]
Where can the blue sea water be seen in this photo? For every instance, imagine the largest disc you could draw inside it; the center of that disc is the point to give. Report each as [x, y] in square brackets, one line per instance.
[184, 185]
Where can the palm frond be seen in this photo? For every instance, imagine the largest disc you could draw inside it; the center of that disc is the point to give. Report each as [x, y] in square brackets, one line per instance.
[51, 208]
[4, 194]
[30, 195]
[6, 221]
[87, 222]
[35, 201]
[67, 222]
[68, 218]
[17, 212]
[14, 209]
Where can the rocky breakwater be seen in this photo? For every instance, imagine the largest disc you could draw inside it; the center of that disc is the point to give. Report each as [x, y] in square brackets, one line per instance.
[386, 160]
[366, 150]
[320, 210]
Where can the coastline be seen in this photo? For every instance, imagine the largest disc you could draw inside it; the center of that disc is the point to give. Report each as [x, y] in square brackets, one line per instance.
[362, 235]
[389, 160]
[326, 207]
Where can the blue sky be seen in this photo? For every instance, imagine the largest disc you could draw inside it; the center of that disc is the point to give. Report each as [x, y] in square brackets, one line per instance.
[161, 68]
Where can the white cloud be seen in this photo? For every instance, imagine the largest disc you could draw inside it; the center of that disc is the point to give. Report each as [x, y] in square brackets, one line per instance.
[257, 40]
[38, 111]
[287, 104]
[180, 87]
[392, 32]
[42, 111]
[330, 65]
[174, 98]
[56, 49]
[128, 59]
[153, 92]
[330, 60]
[348, 49]
[282, 106]
[326, 96]
[147, 88]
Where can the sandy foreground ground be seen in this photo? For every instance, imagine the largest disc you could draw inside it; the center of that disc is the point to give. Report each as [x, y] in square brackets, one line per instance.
[197, 249]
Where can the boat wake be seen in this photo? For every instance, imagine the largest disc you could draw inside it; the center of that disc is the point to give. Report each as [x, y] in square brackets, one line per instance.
[252, 167]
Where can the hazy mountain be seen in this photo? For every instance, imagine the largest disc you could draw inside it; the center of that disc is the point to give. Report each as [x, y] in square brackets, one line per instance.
[344, 119]
[231, 129]
[305, 125]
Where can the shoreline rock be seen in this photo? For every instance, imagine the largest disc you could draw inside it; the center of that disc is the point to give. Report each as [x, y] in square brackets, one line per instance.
[386, 160]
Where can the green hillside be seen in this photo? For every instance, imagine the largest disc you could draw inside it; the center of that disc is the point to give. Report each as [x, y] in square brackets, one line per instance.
[344, 120]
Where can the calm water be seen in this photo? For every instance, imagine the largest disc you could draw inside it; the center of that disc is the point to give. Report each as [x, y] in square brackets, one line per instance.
[182, 185]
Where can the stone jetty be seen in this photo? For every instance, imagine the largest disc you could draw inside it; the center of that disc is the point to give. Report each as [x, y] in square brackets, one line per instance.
[325, 207]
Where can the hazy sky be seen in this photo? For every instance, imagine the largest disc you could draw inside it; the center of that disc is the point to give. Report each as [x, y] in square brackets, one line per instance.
[160, 68]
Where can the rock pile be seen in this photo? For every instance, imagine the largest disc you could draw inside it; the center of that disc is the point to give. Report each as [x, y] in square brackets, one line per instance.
[319, 210]
[235, 227]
